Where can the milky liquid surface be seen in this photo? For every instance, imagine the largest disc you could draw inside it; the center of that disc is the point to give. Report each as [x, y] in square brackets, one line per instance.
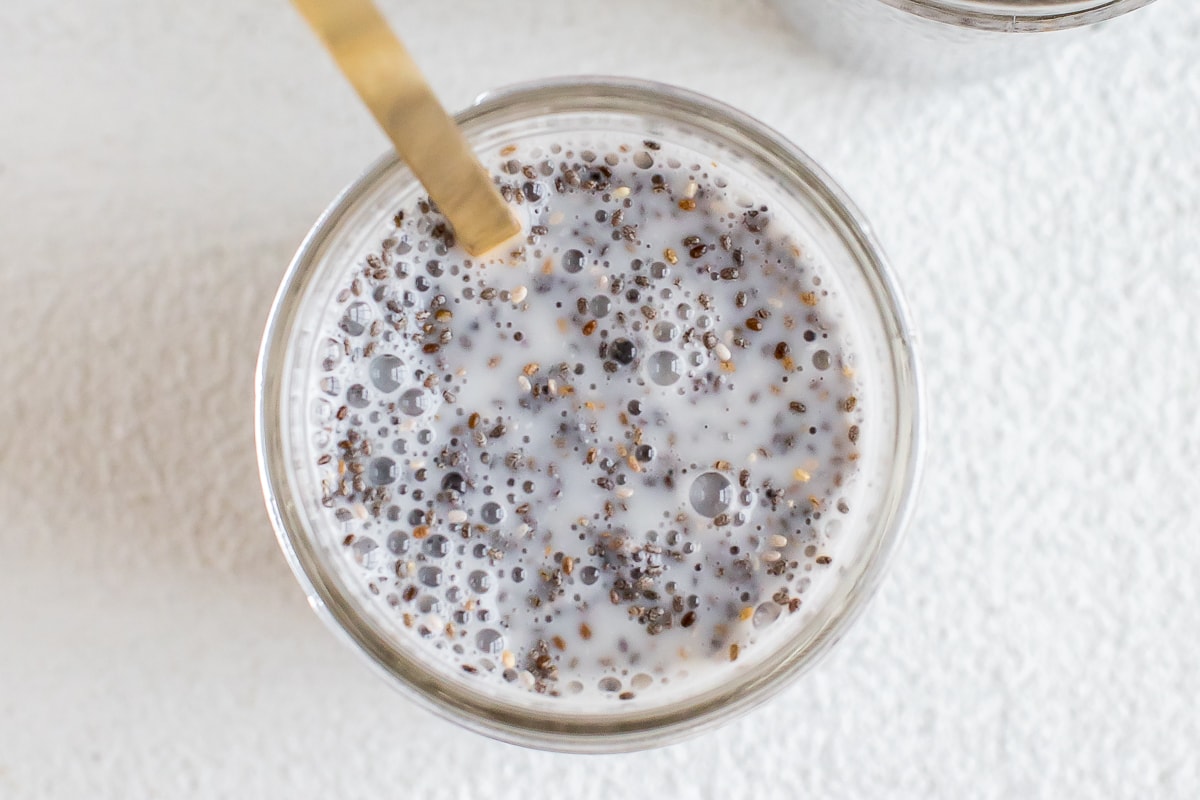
[617, 457]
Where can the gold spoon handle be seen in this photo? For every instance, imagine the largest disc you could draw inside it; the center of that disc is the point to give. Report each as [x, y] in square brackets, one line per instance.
[389, 82]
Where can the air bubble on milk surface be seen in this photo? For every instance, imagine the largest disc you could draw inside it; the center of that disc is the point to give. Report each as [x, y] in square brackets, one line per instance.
[765, 614]
[642, 681]
[414, 402]
[322, 410]
[331, 354]
[454, 482]
[572, 261]
[430, 576]
[491, 513]
[397, 543]
[436, 546]
[355, 320]
[387, 373]
[366, 552]
[711, 494]
[489, 641]
[358, 396]
[663, 367]
[382, 471]
[479, 581]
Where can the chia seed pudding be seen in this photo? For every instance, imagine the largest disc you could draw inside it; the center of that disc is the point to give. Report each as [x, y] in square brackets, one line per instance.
[651, 449]
[606, 458]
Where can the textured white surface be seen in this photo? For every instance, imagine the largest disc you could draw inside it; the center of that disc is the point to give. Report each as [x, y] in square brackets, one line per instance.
[1037, 637]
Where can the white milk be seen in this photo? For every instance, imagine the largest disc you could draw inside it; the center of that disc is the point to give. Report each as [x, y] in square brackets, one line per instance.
[607, 462]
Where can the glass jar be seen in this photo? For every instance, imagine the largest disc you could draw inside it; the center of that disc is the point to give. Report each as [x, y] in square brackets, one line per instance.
[349, 575]
[947, 38]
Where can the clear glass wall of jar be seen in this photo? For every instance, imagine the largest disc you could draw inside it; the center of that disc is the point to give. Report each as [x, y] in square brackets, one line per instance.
[317, 546]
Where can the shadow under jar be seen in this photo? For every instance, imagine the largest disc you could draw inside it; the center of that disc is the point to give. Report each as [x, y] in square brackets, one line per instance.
[948, 39]
[622, 479]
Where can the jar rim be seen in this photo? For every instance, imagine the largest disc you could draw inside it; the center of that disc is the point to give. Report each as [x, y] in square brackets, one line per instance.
[652, 727]
[1018, 17]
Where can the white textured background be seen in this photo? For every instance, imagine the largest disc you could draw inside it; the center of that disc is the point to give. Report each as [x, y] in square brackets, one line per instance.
[1039, 635]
